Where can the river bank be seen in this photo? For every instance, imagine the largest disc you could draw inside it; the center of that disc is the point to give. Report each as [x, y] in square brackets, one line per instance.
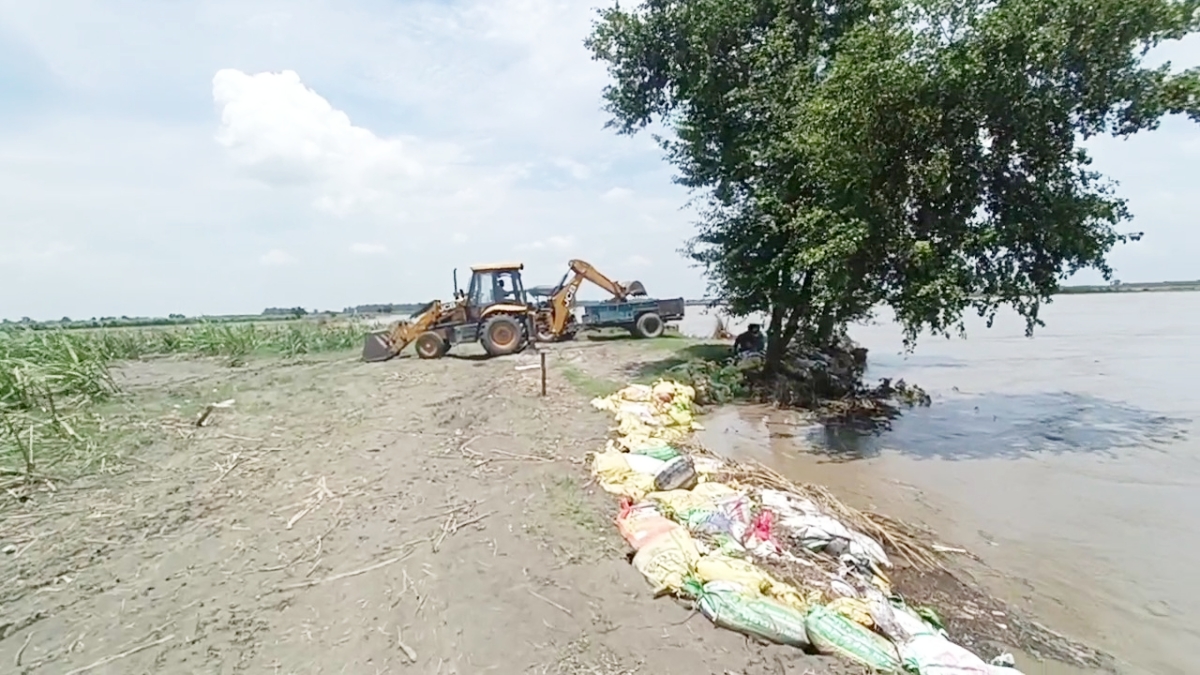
[1066, 461]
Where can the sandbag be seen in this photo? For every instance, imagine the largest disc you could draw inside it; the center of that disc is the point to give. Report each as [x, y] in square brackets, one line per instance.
[713, 568]
[737, 608]
[661, 452]
[614, 475]
[677, 474]
[645, 464]
[855, 609]
[935, 655]
[641, 523]
[814, 529]
[678, 503]
[667, 560]
[832, 633]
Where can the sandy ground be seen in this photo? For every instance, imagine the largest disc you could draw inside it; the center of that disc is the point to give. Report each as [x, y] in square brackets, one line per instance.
[341, 517]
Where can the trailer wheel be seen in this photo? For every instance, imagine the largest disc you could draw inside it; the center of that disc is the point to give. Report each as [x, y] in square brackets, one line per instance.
[649, 325]
[430, 345]
[501, 335]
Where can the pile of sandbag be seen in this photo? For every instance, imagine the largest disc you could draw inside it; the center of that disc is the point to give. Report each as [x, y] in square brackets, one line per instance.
[697, 538]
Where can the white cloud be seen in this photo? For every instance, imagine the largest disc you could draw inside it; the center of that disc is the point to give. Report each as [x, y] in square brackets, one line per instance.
[368, 249]
[276, 257]
[286, 134]
[555, 242]
[140, 163]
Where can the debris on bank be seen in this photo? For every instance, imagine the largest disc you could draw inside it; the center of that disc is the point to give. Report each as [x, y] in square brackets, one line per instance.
[828, 381]
[712, 533]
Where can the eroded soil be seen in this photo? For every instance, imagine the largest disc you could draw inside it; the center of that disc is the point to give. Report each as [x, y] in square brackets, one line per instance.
[341, 517]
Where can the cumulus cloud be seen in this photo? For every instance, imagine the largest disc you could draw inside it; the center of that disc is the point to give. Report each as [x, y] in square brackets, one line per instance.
[285, 133]
[617, 194]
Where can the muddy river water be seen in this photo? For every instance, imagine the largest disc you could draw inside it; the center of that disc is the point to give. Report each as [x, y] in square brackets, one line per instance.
[1069, 462]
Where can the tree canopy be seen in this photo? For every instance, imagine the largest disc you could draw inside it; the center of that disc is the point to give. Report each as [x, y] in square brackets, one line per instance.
[925, 155]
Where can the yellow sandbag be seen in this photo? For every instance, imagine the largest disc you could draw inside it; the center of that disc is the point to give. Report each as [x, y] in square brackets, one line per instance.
[667, 560]
[683, 501]
[681, 417]
[713, 491]
[633, 441]
[615, 476]
[854, 609]
[743, 572]
[674, 390]
[749, 575]
[636, 392]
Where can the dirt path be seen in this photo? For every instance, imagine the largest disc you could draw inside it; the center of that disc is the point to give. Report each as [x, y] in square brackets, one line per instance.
[425, 517]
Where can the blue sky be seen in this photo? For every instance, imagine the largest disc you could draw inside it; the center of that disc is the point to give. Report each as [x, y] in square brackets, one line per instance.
[223, 156]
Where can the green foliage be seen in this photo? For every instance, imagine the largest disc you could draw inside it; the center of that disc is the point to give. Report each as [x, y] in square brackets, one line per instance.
[715, 382]
[920, 154]
[49, 378]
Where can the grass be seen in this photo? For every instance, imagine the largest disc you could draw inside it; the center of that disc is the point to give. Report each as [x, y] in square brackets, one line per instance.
[51, 380]
[681, 355]
[588, 385]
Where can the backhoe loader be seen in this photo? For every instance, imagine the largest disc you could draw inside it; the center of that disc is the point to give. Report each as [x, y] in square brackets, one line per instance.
[494, 312]
[554, 316]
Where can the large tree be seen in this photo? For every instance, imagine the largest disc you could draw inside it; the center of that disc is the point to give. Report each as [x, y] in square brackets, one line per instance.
[924, 155]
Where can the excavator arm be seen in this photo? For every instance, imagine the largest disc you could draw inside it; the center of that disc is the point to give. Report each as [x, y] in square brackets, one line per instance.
[563, 299]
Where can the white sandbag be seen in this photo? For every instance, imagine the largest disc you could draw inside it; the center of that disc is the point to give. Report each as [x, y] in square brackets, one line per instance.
[804, 520]
[644, 464]
[935, 655]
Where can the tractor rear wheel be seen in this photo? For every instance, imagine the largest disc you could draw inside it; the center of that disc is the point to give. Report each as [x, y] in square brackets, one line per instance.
[430, 345]
[501, 335]
[649, 325]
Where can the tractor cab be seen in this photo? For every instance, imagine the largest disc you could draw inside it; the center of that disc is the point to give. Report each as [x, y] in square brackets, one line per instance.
[493, 285]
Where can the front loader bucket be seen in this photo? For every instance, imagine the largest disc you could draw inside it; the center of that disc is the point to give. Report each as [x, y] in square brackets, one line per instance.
[377, 347]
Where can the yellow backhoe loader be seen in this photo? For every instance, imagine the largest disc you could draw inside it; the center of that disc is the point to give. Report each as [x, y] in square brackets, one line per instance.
[494, 312]
[555, 317]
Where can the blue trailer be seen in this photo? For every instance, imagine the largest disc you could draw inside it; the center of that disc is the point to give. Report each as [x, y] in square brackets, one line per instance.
[643, 317]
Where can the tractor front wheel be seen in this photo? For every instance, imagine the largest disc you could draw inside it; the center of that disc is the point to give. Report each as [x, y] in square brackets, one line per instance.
[430, 345]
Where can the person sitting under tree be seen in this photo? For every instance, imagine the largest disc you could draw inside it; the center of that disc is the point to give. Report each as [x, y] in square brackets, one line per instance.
[752, 341]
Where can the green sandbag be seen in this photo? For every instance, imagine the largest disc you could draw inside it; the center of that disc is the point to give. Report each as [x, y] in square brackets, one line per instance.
[664, 452]
[832, 633]
[732, 607]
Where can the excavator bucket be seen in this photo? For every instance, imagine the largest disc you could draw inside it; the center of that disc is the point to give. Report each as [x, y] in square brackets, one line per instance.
[378, 347]
[634, 287]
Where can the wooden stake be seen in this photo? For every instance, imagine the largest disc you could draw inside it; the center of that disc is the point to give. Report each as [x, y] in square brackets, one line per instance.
[543, 373]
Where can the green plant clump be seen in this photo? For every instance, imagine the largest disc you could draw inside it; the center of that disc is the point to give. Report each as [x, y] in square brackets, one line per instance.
[49, 378]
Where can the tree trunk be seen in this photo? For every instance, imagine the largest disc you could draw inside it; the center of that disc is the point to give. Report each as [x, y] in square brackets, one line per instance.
[775, 345]
[825, 326]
